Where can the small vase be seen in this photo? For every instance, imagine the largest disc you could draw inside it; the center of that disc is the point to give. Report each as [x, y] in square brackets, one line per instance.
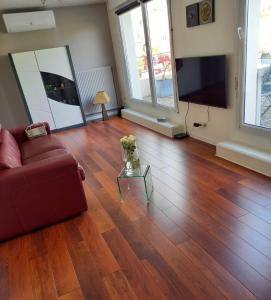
[131, 160]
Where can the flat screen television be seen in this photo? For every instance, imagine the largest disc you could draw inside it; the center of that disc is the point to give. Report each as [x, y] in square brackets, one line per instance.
[201, 80]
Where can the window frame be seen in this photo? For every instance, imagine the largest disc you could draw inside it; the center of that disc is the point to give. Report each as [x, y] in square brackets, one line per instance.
[242, 31]
[154, 103]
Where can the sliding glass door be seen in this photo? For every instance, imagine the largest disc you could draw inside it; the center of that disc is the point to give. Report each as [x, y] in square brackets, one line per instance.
[134, 43]
[147, 45]
[159, 34]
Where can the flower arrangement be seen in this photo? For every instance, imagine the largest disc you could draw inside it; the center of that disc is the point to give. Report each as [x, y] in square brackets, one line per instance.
[165, 61]
[130, 152]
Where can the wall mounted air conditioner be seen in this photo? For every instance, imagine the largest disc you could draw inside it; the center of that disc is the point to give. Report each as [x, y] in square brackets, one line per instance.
[29, 21]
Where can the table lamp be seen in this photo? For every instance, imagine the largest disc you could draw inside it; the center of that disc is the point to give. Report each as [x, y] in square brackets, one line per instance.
[102, 98]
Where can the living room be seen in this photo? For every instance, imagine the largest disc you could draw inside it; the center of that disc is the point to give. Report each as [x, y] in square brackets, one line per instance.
[116, 183]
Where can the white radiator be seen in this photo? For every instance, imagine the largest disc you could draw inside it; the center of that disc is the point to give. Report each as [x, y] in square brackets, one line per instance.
[90, 82]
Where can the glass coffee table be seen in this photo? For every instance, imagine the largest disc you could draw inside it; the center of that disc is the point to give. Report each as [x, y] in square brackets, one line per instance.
[143, 173]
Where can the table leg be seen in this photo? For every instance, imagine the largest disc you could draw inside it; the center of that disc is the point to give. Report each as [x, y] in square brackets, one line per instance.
[120, 191]
[148, 185]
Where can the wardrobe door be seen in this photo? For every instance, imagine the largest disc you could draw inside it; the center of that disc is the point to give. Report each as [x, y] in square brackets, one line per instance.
[32, 86]
[59, 83]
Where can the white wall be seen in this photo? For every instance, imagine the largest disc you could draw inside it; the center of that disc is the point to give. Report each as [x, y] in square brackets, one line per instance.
[84, 28]
[210, 39]
[216, 38]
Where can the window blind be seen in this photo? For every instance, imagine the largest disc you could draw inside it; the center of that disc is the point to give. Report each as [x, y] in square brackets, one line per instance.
[127, 7]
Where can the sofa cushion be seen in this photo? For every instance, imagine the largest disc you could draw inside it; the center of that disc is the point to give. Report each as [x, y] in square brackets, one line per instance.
[45, 155]
[10, 156]
[40, 145]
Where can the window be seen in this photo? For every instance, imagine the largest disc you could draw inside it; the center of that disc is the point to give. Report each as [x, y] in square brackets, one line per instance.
[147, 45]
[136, 57]
[257, 87]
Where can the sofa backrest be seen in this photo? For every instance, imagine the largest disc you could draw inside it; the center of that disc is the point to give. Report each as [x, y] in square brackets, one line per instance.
[10, 155]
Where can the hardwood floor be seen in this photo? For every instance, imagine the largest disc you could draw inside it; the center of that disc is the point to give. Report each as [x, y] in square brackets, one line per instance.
[205, 235]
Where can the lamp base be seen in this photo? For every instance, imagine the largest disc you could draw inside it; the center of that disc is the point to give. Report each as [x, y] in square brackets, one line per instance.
[104, 112]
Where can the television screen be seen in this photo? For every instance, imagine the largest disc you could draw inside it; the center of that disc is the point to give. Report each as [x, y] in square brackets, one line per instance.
[202, 80]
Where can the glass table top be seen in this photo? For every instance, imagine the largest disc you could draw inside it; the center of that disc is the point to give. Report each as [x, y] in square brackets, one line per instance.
[140, 172]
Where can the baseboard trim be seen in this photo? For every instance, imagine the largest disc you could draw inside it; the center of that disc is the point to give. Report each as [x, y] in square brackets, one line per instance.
[97, 116]
[203, 139]
[246, 156]
[166, 128]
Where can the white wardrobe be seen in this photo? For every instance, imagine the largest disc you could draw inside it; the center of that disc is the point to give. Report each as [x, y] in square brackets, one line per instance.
[47, 82]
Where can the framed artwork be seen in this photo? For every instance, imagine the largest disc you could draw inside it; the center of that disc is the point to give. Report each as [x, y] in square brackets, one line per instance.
[206, 12]
[192, 15]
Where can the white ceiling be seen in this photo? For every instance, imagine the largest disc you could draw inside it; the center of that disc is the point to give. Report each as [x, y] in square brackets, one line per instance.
[17, 4]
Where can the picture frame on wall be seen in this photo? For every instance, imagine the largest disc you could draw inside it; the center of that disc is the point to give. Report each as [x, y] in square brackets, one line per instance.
[192, 15]
[206, 12]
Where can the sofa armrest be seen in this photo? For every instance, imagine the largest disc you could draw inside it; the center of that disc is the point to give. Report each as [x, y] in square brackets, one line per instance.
[20, 135]
[41, 169]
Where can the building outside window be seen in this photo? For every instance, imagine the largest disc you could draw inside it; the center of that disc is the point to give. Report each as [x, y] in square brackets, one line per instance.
[257, 86]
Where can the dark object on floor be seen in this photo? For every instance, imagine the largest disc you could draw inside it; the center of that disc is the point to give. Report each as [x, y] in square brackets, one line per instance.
[181, 136]
[162, 120]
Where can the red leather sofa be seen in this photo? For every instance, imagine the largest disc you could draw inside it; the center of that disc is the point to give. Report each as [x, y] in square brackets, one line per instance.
[40, 182]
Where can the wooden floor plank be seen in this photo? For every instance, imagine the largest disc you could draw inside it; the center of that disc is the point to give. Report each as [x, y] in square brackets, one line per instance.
[74, 295]
[257, 224]
[203, 196]
[227, 284]
[251, 279]
[193, 278]
[20, 282]
[263, 187]
[205, 189]
[86, 269]
[248, 234]
[171, 277]
[252, 207]
[99, 250]
[190, 207]
[42, 279]
[118, 287]
[60, 261]
[141, 247]
[247, 193]
[170, 290]
[143, 286]
[210, 216]
[101, 219]
[206, 234]
[4, 272]
[36, 244]
[246, 252]
[169, 228]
